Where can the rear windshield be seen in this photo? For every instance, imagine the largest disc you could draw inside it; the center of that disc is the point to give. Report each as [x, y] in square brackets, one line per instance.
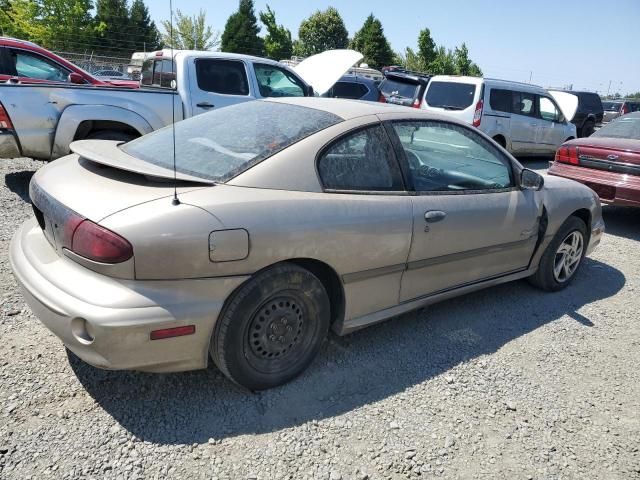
[224, 143]
[622, 127]
[611, 106]
[397, 88]
[450, 95]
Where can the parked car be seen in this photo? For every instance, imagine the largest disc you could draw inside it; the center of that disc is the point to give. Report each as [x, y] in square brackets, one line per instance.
[111, 74]
[26, 62]
[521, 117]
[404, 88]
[583, 109]
[40, 128]
[253, 266]
[355, 87]
[608, 161]
[615, 108]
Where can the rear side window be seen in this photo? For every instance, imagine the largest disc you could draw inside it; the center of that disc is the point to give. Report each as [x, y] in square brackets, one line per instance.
[523, 103]
[500, 100]
[228, 77]
[611, 106]
[349, 90]
[591, 101]
[363, 160]
[396, 88]
[450, 95]
[158, 73]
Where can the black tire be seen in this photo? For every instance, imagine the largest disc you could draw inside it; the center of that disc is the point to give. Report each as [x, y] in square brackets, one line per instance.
[587, 129]
[111, 135]
[500, 140]
[545, 278]
[272, 327]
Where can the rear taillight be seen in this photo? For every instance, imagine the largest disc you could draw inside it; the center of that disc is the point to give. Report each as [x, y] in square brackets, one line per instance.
[568, 154]
[99, 244]
[416, 103]
[382, 98]
[624, 109]
[5, 121]
[477, 115]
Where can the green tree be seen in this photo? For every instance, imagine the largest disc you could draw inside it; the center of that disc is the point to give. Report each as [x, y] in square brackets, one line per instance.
[444, 63]
[112, 27]
[464, 65]
[426, 47]
[277, 43]
[322, 31]
[147, 36]
[189, 33]
[372, 43]
[241, 31]
[20, 19]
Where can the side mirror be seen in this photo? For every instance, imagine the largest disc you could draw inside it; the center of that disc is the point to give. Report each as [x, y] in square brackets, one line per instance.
[530, 180]
[75, 78]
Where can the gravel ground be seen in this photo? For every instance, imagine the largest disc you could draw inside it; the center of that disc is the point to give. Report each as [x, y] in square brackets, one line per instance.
[509, 382]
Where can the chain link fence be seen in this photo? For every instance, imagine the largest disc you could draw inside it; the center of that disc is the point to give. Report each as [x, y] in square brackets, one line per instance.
[97, 63]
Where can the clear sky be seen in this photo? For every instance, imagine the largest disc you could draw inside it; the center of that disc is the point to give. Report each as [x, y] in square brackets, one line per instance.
[586, 43]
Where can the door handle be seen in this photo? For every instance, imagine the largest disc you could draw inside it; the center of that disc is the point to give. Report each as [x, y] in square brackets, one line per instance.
[205, 105]
[433, 216]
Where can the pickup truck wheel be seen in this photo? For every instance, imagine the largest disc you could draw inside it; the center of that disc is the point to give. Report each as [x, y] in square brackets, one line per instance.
[563, 257]
[271, 328]
[587, 129]
[111, 135]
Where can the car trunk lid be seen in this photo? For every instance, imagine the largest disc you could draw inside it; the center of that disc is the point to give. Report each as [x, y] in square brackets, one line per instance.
[323, 70]
[609, 154]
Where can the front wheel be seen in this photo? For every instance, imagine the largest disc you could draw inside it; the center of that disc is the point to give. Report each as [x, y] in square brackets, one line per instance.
[563, 257]
[272, 327]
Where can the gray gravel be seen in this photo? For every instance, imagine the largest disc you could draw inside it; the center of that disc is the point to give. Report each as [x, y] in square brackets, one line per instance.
[504, 383]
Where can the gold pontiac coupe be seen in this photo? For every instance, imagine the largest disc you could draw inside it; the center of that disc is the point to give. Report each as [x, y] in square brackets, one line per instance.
[282, 219]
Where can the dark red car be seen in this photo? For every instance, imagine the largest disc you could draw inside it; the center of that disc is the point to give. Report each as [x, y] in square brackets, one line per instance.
[608, 161]
[26, 62]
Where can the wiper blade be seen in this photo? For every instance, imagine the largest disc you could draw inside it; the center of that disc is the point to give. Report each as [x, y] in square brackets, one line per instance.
[451, 107]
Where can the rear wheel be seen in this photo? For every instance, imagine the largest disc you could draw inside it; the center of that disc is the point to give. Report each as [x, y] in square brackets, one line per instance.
[587, 129]
[500, 140]
[272, 328]
[563, 257]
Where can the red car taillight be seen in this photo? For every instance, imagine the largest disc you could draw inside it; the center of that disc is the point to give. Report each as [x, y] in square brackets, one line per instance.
[99, 244]
[568, 154]
[624, 109]
[382, 98]
[5, 121]
[477, 115]
[416, 103]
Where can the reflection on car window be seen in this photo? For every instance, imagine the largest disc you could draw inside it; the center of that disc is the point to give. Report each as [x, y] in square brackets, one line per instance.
[223, 143]
[622, 127]
[523, 103]
[443, 157]
[277, 82]
[548, 110]
[34, 66]
[361, 161]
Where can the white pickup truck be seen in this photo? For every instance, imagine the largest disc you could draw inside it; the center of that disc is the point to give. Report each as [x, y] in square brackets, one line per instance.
[40, 121]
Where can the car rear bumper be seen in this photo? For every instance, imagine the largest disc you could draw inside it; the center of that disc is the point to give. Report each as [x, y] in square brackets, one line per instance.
[612, 188]
[9, 147]
[107, 321]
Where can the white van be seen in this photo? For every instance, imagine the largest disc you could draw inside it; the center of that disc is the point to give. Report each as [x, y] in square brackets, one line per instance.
[525, 119]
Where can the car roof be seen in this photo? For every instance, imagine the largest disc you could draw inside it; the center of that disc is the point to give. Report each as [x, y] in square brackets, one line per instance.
[411, 77]
[200, 53]
[348, 109]
[17, 41]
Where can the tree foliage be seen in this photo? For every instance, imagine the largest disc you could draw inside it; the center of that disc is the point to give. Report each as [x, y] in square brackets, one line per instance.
[189, 32]
[277, 42]
[426, 47]
[372, 43]
[321, 31]
[147, 37]
[241, 31]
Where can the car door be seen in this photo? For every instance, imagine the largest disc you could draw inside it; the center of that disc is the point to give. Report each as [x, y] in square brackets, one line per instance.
[470, 220]
[218, 83]
[361, 178]
[31, 67]
[551, 131]
[523, 123]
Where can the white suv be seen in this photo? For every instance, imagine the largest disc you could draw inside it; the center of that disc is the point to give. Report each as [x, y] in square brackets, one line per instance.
[523, 118]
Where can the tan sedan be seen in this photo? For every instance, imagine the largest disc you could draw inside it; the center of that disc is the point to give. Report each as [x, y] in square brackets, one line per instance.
[289, 217]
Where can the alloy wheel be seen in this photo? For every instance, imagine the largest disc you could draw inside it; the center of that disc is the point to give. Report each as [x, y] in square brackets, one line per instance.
[568, 256]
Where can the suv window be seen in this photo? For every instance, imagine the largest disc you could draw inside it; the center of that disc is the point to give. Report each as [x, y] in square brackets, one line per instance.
[351, 90]
[444, 157]
[363, 160]
[523, 103]
[227, 77]
[277, 82]
[611, 106]
[397, 88]
[35, 66]
[548, 109]
[450, 95]
[500, 100]
[591, 101]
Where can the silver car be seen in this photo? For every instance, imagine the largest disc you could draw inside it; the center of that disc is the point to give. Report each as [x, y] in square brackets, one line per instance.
[282, 219]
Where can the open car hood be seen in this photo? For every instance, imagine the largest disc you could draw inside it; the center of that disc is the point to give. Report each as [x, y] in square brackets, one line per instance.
[323, 70]
[567, 102]
[107, 152]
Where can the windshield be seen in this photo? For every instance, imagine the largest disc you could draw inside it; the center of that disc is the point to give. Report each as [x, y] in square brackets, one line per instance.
[611, 106]
[623, 127]
[224, 143]
[450, 95]
[395, 88]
